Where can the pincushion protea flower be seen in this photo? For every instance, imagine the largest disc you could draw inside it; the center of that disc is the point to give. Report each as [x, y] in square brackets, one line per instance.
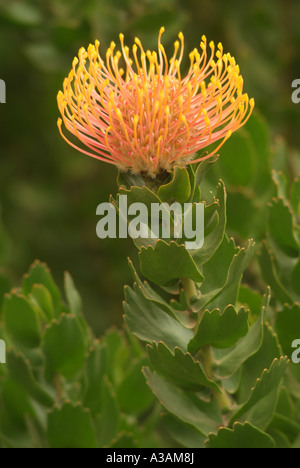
[145, 117]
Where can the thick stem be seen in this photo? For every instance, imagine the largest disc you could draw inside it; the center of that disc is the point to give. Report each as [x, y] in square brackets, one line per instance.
[222, 398]
[189, 288]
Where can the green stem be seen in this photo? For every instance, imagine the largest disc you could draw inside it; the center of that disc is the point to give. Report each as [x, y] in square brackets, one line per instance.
[222, 398]
[189, 288]
[59, 387]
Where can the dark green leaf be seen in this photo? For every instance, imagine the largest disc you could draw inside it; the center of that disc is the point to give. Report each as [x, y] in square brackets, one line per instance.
[201, 415]
[94, 370]
[281, 228]
[179, 367]
[64, 346]
[220, 330]
[241, 436]
[109, 415]
[71, 426]
[261, 360]
[270, 275]
[42, 298]
[237, 163]
[21, 371]
[151, 323]
[166, 262]
[184, 434]
[261, 404]
[228, 362]
[229, 292]
[39, 273]
[179, 188]
[22, 321]
[214, 237]
[139, 400]
[215, 271]
[287, 326]
[295, 197]
[73, 296]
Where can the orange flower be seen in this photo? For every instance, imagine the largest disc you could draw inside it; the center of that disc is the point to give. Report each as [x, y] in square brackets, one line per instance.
[146, 117]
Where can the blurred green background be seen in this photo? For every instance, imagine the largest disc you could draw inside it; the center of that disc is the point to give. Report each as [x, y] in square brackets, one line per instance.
[48, 191]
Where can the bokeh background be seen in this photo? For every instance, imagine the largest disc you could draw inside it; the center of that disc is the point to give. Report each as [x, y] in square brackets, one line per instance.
[48, 191]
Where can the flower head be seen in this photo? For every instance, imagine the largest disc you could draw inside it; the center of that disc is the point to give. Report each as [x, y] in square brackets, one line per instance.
[142, 115]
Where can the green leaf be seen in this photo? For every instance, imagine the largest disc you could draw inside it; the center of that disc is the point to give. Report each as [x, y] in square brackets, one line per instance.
[179, 367]
[250, 299]
[214, 237]
[281, 182]
[295, 275]
[94, 370]
[166, 262]
[229, 292]
[270, 275]
[128, 180]
[134, 402]
[23, 14]
[229, 361]
[179, 188]
[184, 434]
[261, 360]
[261, 404]
[245, 216]
[5, 244]
[5, 287]
[17, 405]
[151, 323]
[73, 296]
[281, 228]
[241, 436]
[21, 371]
[220, 330]
[41, 297]
[280, 439]
[109, 415]
[139, 195]
[287, 426]
[287, 326]
[117, 354]
[64, 346]
[202, 169]
[215, 271]
[71, 426]
[237, 163]
[148, 198]
[39, 273]
[151, 295]
[124, 440]
[201, 415]
[22, 321]
[295, 197]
